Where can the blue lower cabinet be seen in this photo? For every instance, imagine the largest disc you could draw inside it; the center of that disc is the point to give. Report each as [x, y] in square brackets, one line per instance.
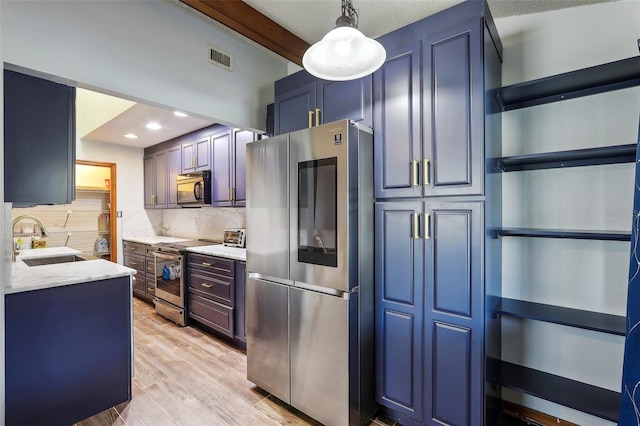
[68, 352]
[399, 306]
[430, 312]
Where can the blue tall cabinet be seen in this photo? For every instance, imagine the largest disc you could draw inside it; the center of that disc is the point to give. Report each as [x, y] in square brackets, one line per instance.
[437, 269]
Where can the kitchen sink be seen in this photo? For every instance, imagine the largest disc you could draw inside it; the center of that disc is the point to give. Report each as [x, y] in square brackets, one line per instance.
[53, 260]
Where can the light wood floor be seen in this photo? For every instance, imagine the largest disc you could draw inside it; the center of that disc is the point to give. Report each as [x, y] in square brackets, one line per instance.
[185, 376]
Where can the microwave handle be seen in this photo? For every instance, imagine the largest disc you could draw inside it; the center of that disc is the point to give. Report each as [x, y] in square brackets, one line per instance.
[197, 191]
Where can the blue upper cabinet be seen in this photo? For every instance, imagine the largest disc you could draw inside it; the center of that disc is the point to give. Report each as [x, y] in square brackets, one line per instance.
[196, 156]
[39, 140]
[229, 164]
[303, 101]
[428, 109]
[397, 142]
[221, 170]
[453, 121]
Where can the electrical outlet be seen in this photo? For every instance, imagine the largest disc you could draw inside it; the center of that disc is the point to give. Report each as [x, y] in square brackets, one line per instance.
[119, 213]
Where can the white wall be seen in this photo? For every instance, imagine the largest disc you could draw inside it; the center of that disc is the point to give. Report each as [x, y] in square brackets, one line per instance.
[590, 275]
[152, 51]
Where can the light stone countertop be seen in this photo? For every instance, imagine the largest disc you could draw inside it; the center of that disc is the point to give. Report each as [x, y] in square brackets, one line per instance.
[155, 239]
[27, 278]
[221, 251]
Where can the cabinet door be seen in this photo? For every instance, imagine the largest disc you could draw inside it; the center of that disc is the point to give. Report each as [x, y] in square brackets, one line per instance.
[454, 317]
[240, 140]
[149, 183]
[174, 160]
[39, 140]
[295, 108]
[397, 141]
[203, 154]
[188, 157]
[221, 171]
[351, 99]
[162, 176]
[453, 112]
[399, 307]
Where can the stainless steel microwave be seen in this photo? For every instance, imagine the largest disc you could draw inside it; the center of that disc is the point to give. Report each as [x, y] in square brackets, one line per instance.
[194, 189]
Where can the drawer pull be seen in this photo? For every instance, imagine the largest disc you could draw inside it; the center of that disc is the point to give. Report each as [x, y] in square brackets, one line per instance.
[150, 288]
[131, 248]
[205, 285]
[133, 263]
[207, 264]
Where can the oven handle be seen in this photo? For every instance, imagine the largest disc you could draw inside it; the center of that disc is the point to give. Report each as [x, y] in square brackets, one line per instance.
[168, 256]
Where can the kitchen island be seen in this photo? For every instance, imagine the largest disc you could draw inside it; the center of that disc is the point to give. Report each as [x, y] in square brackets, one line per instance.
[68, 337]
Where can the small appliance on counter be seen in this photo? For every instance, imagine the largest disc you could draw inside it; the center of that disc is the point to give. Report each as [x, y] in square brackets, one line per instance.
[235, 237]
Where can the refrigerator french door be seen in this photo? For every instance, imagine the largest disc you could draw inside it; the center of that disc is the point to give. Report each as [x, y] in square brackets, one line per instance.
[309, 266]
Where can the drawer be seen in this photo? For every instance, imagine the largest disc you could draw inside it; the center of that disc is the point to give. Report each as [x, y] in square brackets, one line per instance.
[136, 262]
[134, 248]
[205, 284]
[215, 315]
[139, 283]
[217, 265]
[150, 266]
[150, 286]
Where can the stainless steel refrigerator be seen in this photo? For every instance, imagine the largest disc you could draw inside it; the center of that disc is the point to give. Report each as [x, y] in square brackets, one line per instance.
[310, 329]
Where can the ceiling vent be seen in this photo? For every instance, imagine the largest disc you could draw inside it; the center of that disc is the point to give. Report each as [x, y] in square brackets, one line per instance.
[220, 58]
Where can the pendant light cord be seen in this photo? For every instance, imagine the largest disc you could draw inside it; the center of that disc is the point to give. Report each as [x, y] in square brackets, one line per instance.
[349, 11]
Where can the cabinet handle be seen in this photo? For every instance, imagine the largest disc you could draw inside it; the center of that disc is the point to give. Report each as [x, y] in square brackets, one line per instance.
[150, 288]
[416, 224]
[133, 263]
[310, 119]
[426, 172]
[414, 172]
[193, 161]
[427, 225]
[317, 116]
[205, 285]
[131, 248]
[233, 194]
[207, 264]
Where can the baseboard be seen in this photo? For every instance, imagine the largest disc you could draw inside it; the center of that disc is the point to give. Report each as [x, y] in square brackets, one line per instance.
[528, 414]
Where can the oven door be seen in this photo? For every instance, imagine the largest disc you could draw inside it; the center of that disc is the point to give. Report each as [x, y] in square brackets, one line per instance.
[319, 209]
[168, 278]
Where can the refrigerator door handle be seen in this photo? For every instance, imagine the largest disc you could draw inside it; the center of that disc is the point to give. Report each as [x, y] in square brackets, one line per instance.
[320, 289]
[258, 276]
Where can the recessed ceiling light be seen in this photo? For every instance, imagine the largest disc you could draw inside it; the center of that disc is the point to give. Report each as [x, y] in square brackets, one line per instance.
[131, 136]
[153, 126]
[180, 114]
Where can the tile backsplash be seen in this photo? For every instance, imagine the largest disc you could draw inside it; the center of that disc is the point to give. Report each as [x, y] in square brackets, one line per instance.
[203, 222]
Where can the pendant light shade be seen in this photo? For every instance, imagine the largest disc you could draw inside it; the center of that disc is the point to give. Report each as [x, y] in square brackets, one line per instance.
[344, 53]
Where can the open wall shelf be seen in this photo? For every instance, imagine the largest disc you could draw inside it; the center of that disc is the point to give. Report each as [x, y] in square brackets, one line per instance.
[575, 158]
[605, 323]
[600, 402]
[561, 233]
[587, 81]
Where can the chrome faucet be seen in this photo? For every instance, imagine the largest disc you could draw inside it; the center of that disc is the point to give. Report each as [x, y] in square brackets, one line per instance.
[43, 231]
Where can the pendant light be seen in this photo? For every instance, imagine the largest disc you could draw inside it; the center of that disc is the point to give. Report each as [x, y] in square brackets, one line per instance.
[344, 53]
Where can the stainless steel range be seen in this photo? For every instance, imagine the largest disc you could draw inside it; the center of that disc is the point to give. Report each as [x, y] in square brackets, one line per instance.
[169, 272]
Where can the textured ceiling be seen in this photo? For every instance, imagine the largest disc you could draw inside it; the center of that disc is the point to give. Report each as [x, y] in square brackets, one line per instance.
[312, 19]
